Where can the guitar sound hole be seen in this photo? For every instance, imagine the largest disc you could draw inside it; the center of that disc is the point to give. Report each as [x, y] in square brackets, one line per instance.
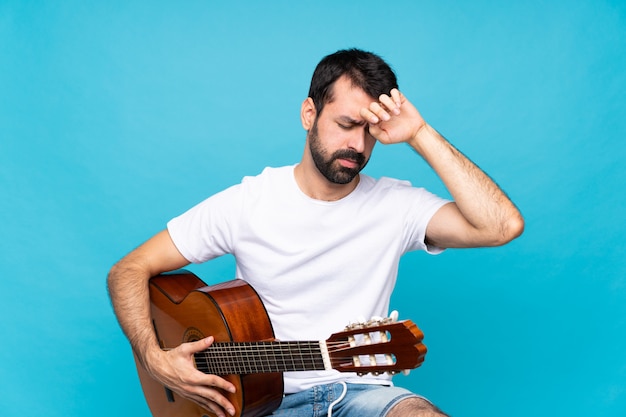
[192, 334]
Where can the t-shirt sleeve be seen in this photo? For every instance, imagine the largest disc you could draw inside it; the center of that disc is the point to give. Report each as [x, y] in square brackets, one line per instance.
[207, 230]
[423, 207]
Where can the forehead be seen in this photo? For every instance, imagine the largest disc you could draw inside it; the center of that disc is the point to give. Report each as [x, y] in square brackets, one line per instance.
[347, 99]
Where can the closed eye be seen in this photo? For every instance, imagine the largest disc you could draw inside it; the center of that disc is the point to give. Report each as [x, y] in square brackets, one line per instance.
[348, 123]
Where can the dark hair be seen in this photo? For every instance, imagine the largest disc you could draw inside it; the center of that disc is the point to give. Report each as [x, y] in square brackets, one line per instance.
[365, 70]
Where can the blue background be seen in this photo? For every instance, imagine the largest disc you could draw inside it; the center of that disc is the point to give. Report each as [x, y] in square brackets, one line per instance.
[116, 116]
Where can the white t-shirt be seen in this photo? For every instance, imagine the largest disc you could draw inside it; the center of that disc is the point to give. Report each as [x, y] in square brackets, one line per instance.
[316, 265]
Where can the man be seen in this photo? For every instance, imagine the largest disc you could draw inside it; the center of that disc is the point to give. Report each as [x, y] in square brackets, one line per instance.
[319, 241]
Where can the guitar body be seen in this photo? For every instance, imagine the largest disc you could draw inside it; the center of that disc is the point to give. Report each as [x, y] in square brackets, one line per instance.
[183, 310]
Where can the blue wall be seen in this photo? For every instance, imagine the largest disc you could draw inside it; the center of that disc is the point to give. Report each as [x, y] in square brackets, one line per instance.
[116, 116]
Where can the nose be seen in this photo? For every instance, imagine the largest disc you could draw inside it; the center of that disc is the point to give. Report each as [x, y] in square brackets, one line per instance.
[357, 138]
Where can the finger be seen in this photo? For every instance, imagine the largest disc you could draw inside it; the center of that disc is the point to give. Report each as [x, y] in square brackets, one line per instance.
[198, 345]
[397, 97]
[221, 383]
[380, 111]
[389, 104]
[211, 406]
[208, 391]
[206, 379]
[366, 114]
[217, 410]
[215, 402]
[211, 382]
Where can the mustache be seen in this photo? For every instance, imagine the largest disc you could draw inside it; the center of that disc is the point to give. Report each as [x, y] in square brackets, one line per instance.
[355, 156]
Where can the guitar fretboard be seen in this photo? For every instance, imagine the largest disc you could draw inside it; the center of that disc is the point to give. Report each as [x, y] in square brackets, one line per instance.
[225, 358]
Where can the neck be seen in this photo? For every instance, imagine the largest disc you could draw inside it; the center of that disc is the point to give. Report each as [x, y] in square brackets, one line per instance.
[312, 183]
[226, 358]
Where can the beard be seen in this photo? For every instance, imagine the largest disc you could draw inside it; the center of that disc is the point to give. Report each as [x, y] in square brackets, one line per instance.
[328, 166]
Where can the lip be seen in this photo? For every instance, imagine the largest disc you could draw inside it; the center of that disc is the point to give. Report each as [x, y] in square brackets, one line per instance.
[348, 163]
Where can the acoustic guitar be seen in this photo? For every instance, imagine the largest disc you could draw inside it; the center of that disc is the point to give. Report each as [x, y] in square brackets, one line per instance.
[185, 309]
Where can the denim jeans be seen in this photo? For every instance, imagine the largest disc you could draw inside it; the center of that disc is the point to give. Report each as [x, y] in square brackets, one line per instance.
[360, 400]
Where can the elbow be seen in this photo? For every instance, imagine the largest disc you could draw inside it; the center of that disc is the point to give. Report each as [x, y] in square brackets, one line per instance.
[519, 226]
[113, 278]
[503, 232]
[512, 228]
[119, 275]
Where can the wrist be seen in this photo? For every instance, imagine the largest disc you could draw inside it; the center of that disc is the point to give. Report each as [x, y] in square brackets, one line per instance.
[421, 138]
[149, 355]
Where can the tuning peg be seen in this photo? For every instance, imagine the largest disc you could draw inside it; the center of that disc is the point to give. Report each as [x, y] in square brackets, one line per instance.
[394, 316]
[359, 324]
[406, 372]
[375, 321]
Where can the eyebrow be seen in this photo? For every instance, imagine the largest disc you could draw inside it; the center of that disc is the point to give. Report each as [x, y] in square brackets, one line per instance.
[351, 121]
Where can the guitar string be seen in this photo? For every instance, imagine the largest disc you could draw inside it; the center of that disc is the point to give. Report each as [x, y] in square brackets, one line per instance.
[260, 356]
[250, 357]
[264, 359]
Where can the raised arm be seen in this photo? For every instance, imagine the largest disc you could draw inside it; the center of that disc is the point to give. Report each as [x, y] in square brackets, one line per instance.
[128, 289]
[481, 214]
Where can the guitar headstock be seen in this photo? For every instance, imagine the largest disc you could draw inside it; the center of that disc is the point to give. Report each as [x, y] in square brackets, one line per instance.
[377, 346]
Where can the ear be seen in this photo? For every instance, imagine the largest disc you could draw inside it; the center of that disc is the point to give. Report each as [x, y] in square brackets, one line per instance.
[308, 113]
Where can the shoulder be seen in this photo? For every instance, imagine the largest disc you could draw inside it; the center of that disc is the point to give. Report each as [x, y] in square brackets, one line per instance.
[270, 175]
[400, 193]
[384, 185]
[249, 187]
[269, 184]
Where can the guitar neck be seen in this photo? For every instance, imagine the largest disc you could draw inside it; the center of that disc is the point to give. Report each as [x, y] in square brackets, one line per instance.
[241, 358]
